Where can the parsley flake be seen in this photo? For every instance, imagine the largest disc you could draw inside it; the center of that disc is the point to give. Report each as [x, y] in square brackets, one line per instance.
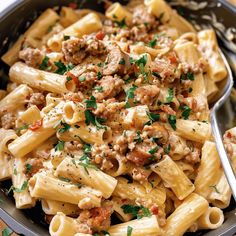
[167, 149]
[99, 75]
[18, 190]
[130, 95]
[122, 61]
[66, 37]
[152, 43]
[172, 121]
[152, 117]
[136, 211]
[82, 78]
[7, 232]
[98, 88]
[44, 64]
[187, 76]
[215, 188]
[186, 112]
[62, 68]
[21, 128]
[59, 146]
[170, 96]
[129, 230]
[28, 168]
[138, 138]
[91, 119]
[121, 23]
[91, 103]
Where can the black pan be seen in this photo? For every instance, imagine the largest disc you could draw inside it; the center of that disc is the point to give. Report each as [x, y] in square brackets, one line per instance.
[14, 21]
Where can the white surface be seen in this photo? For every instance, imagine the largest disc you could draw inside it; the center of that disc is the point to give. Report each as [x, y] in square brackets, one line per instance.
[5, 3]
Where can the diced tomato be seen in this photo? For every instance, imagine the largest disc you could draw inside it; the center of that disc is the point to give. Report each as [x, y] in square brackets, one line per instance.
[37, 124]
[73, 5]
[100, 35]
[73, 77]
[173, 59]
[229, 135]
[154, 210]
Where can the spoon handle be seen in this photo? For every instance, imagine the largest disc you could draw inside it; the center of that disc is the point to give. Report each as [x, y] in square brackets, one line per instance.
[228, 170]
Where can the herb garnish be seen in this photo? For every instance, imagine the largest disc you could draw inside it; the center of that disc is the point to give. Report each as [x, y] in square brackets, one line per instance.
[129, 230]
[136, 211]
[18, 190]
[7, 232]
[22, 128]
[62, 68]
[63, 127]
[64, 179]
[170, 96]
[91, 103]
[152, 152]
[91, 119]
[59, 146]
[186, 112]
[215, 188]
[99, 75]
[122, 61]
[28, 168]
[138, 138]
[152, 43]
[98, 88]
[167, 149]
[105, 233]
[130, 95]
[82, 78]
[172, 121]
[141, 62]
[66, 37]
[44, 64]
[187, 76]
[121, 23]
[152, 117]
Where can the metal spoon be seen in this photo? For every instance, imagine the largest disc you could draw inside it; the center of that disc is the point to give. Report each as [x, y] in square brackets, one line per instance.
[217, 132]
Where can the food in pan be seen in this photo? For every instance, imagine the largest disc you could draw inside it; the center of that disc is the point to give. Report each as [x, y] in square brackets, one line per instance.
[107, 116]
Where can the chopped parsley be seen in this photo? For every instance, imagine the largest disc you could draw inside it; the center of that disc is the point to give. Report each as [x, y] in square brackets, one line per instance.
[91, 103]
[63, 127]
[15, 171]
[138, 138]
[64, 179]
[121, 23]
[98, 88]
[172, 121]
[105, 233]
[62, 68]
[91, 119]
[7, 232]
[85, 161]
[187, 76]
[215, 188]
[59, 146]
[44, 64]
[170, 95]
[152, 117]
[167, 149]
[130, 95]
[68, 78]
[99, 75]
[122, 61]
[141, 62]
[66, 37]
[152, 43]
[186, 112]
[22, 128]
[82, 78]
[28, 168]
[129, 230]
[152, 152]
[136, 211]
[18, 190]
